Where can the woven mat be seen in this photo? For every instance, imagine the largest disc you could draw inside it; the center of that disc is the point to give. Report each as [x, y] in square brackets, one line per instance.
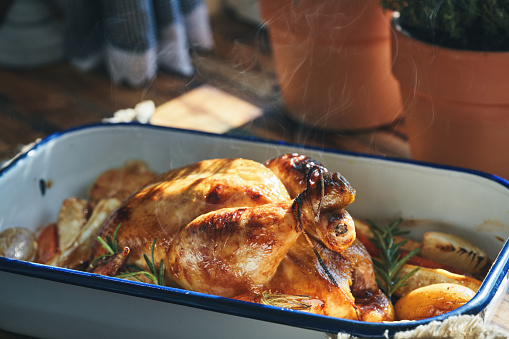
[457, 327]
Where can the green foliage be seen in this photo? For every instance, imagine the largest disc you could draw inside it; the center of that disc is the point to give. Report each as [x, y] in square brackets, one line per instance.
[462, 24]
[156, 275]
[390, 261]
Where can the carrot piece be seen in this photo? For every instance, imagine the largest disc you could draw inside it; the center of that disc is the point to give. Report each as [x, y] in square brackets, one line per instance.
[370, 247]
[423, 262]
[47, 243]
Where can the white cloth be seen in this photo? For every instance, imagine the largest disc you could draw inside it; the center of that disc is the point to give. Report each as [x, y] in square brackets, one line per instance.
[134, 38]
[456, 327]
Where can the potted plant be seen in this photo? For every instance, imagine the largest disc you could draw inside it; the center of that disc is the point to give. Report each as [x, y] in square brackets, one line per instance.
[452, 64]
[332, 62]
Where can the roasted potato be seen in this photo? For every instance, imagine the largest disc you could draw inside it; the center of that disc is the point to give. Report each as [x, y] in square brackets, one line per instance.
[433, 300]
[428, 276]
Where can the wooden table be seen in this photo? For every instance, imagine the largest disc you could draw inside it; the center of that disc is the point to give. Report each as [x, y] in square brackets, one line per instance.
[37, 102]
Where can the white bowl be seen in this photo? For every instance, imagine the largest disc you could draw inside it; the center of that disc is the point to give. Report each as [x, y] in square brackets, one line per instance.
[45, 301]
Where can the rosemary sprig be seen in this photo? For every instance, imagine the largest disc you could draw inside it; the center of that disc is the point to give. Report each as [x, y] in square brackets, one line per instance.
[390, 261]
[155, 275]
[133, 271]
[110, 245]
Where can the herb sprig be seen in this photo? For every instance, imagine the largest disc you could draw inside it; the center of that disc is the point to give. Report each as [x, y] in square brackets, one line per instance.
[390, 261]
[295, 302]
[110, 245]
[156, 275]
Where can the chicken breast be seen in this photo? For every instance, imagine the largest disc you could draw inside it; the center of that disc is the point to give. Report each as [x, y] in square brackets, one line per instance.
[174, 199]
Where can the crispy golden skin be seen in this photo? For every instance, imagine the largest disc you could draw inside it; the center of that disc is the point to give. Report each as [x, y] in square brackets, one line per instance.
[356, 295]
[120, 183]
[229, 227]
[168, 204]
[233, 250]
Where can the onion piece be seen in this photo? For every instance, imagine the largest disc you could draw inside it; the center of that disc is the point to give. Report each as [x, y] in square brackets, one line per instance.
[18, 243]
[455, 251]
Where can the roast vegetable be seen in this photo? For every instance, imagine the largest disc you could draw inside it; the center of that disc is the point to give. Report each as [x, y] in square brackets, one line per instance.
[81, 239]
[365, 229]
[429, 276]
[47, 243]
[452, 250]
[433, 300]
[18, 243]
[438, 250]
[437, 281]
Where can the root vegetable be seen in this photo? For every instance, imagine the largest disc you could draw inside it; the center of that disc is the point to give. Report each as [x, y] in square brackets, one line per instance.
[428, 276]
[455, 251]
[433, 300]
[47, 243]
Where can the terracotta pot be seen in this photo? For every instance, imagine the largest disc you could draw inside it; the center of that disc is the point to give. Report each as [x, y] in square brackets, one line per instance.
[332, 60]
[456, 104]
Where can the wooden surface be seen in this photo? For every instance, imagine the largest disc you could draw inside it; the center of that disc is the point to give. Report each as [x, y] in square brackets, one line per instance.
[37, 102]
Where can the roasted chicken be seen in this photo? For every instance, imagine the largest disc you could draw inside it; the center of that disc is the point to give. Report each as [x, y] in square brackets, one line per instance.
[237, 228]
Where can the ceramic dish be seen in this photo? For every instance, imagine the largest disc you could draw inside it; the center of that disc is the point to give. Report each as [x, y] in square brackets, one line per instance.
[45, 301]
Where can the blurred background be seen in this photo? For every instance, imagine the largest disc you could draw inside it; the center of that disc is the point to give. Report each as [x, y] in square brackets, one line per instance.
[57, 74]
